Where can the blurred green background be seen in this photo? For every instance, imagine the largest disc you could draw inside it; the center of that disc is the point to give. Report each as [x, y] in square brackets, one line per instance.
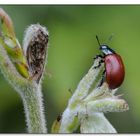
[72, 46]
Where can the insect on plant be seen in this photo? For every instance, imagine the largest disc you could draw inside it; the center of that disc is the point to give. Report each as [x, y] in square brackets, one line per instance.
[114, 68]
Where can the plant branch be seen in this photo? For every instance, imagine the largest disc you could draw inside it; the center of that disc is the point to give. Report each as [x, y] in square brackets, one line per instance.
[30, 93]
[80, 93]
[86, 108]
[15, 69]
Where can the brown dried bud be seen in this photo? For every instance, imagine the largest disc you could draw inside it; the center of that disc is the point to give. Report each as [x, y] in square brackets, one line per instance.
[35, 49]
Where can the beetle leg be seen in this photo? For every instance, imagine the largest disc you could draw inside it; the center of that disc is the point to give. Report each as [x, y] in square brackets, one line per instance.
[100, 62]
[98, 56]
[103, 79]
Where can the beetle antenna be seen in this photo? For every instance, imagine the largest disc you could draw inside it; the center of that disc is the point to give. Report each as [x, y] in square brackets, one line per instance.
[110, 37]
[98, 40]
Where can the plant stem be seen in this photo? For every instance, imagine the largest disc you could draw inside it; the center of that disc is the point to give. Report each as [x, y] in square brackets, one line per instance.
[19, 73]
[80, 93]
[32, 100]
[29, 91]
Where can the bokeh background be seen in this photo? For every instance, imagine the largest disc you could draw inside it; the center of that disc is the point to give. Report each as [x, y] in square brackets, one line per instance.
[72, 46]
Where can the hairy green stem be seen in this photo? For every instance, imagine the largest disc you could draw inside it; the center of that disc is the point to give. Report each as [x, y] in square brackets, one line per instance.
[29, 91]
[32, 100]
[74, 104]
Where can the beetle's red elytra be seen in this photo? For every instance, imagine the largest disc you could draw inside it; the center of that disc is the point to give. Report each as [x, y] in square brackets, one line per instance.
[114, 68]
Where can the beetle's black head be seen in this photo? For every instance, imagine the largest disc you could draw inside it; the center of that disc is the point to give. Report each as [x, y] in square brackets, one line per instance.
[106, 50]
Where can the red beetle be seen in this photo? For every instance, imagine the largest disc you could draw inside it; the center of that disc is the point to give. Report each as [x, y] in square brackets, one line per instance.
[114, 68]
